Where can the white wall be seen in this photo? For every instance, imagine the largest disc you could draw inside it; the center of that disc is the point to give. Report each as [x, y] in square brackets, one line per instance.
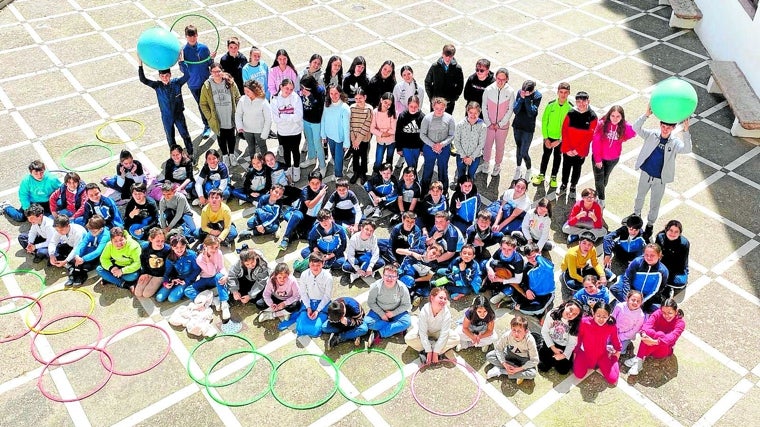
[729, 34]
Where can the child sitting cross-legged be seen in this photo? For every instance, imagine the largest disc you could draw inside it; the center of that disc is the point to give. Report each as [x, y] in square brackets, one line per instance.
[515, 354]
[362, 252]
[345, 322]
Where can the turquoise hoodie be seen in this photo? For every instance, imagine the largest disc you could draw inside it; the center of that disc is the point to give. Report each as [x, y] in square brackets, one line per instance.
[33, 191]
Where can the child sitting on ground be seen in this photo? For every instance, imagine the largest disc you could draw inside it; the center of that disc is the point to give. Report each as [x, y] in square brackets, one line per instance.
[362, 252]
[344, 205]
[515, 354]
[382, 189]
[129, 171]
[345, 322]
[69, 199]
[268, 214]
[417, 269]
[477, 328]
[625, 243]
[592, 293]
[67, 236]
[36, 241]
[120, 260]
[248, 277]
[34, 188]
[87, 252]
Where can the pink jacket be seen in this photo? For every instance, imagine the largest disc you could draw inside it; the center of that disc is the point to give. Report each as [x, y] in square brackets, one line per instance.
[381, 122]
[667, 332]
[276, 76]
[607, 146]
[593, 339]
[497, 105]
[210, 266]
[288, 293]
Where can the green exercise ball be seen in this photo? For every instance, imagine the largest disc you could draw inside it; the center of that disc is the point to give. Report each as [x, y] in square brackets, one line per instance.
[673, 100]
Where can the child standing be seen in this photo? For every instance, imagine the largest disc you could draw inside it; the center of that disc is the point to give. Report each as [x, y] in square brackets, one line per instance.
[598, 345]
[629, 318]
[383, 126]
[607, 144]
[577, 132]
[405, 89]
[560, 336]
[313, 99]
[257, 70]
[213, 274]
[515, 354]
[218, 101]
[334, 127]
[524, 124]
[355, 78]
[408, 141]
[498, 100]
[658, 335]
[315, 289]
[551, 130]
[253, 117]
[477, 328]
[360, 134]
[469, 140]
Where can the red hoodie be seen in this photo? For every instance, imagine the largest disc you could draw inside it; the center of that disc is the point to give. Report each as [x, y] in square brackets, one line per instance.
[577, 131]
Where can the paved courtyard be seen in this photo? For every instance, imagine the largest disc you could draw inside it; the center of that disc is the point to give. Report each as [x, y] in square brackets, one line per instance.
[69, 66]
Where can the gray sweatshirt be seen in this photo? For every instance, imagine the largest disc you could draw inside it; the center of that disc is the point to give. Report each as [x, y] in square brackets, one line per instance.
[395, 299]
[437, 129]
[178, 204]
[259, 275]
[470, 139]
[356, 244]
[674, 147]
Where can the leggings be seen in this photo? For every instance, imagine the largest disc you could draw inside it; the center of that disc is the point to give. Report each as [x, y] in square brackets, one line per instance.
[557, 151]
[227, 140]
[523, 140]
[571, 168]
[290, 147]
[602, 176]
[359, 159]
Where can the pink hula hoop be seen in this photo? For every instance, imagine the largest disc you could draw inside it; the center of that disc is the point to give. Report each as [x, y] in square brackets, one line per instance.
[84, 396]
[39, 319]
[139, 371]
[445, 414]
[37, 356]
[8, 238]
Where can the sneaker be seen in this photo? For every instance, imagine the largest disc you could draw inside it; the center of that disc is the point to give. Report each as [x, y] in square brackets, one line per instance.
[553, 182]
[416, 301]
[571, 193]
[370, 340]
[496, 170]
[226, 160]
[4, 204]
[245, 234]
[353, 277]
[601, 202]
[483, 168]
[272, 135]
[497, 299]
[69, 282]
[493, 373]
[309, 162]
[332, 341]
[518, 173]
[196, 202]
[613, 277]
[77, 283]
[528, 175]
[330, 178]
[369, 209]
[648, 230]
[572, 238]
[283, 244]
[519, 381]
[562, 190]
[377, 213]
[241, 202]
[39, 258]
[637, 365]
[396, 218]
[538, 179]
[629, 363]
[354, 179]
[206, 133]
[423, 357]
[265, 316]
[485, 348]
[296, 173]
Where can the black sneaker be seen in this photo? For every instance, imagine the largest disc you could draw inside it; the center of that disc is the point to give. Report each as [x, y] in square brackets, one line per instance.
[562, 189]
[571, 193]
[332, 341]
[648, 230]
[69, 282]
[39, 258]
[242, 247]
[354, 179]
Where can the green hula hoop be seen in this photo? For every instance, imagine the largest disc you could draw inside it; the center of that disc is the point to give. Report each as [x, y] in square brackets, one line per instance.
[5, 261]
[393, 394]
[273, 380]
[204, 382]
[101, 138]
[92, 168]
[251, 400]
[32, 272]
[218, 39]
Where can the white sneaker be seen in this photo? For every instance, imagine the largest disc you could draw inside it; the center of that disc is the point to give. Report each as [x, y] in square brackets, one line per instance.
[496, 170]
[330, 178]
[601, 202]
[518, 173]
[353, 277]
[630, 361]
[309, 162]
[377, 213]
[528, 175]
[226, 160]
[636, 366]
[369, 209]
[196, 202]
[225, 310]
[493, 373]
[280, 151]
[485, 348]
[266, 315]
[296, 173]
[483, 168]
[496, 299]
[241, 202]
[243, 159]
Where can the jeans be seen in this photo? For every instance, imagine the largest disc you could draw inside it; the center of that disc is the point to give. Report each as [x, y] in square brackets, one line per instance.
[523, 140]
[336, 262]
[201, 235]
[384, 154]
[23, 240]
[463, 169]
[411, 156]
[432, 159]
[197, 96]
[203, 283]
[314, 143]
[363, 263]
[173, 294]
[118, 281]
[390, 327]
[68, 213]
[345, 335]
[179, 122]
[15, 214]
[187, 225]
[336, 149]
[557, 151]
[602, 176]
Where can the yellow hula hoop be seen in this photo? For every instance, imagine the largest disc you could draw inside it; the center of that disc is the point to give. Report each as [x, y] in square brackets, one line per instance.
[60, 331]
[101, 138]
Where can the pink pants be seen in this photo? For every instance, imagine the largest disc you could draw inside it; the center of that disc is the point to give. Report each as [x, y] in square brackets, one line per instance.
[499, 136]
[608, 366]
[658, 351]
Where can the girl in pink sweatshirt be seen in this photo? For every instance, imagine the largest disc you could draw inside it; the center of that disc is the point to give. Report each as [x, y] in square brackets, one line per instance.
[593, 349]
[658, 335]
[629, 318]
[282, 297]
[607, 144]
[384, 128]
[213, 274]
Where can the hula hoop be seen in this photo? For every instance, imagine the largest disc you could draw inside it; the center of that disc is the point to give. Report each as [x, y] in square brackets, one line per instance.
[204, 381]
[8, 238]
[60, 331]
[273, 380]
[32, 272]
[5, 263]
[139, 371]
[100, 128]
[39, 319]
[79, 147]
[251, 400]
[444, 414]
[218, 39]
[393, 394]
[37, 356]
[86, 395]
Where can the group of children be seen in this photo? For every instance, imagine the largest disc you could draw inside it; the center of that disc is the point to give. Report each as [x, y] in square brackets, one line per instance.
[438, 247]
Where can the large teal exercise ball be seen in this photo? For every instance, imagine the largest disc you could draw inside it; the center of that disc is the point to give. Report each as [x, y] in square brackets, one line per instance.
[673, 100]
[158, 48]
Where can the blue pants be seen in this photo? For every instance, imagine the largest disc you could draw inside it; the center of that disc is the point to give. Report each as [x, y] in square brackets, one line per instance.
[203, 283]
[523, 140]
[270, 229]
[240, 193]
[140, 226]
[432, 159]
[187, 224]
[306, 326]
[17, 215]
[386, 251]
[411, 156]
[343, 335]
[336, 148]
[463, 169]
[201, 235]
[297, 221]
[209, 185]
[462, 290]
[420, 288]
[23, 240]
[336, 262]
[118, 281]
[314, 148]
[384, 154]
[363, 263]
[197, 96]
[393, 326]
[178, 121]
[175, 294]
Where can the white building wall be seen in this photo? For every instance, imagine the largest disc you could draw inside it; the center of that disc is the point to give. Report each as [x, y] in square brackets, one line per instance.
[729, 34]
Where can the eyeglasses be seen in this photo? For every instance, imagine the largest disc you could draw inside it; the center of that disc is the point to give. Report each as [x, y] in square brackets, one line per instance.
[481, 70]
[389, 276]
